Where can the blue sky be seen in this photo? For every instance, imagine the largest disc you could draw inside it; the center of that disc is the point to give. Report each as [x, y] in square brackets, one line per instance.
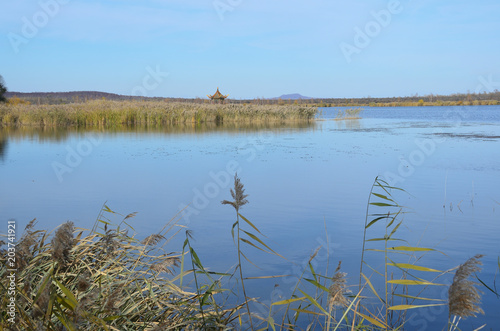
[181, 48]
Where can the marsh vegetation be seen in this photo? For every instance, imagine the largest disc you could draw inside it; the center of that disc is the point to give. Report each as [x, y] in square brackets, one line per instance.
[109, 114]
[106, 278]
[348, 114]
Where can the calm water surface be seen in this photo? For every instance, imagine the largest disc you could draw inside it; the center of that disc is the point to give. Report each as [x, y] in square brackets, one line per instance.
[308, 186]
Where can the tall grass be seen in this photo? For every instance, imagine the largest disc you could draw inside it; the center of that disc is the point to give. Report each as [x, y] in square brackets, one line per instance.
[104, 113]
[107, 279]
[403, 275]
[438, 103]
[348, 114]
[250, 237]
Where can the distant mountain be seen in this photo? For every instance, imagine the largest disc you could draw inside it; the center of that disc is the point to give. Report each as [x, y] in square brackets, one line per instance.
[293, 96]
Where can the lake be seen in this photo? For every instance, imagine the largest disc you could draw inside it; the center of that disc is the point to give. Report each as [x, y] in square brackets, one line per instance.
[308, 186]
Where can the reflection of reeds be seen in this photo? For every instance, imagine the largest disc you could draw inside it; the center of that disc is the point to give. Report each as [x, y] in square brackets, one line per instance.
[463, 297]
[51, 133]
[348, 124]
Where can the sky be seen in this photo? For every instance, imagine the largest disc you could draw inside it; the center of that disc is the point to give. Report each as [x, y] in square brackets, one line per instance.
[250, 49]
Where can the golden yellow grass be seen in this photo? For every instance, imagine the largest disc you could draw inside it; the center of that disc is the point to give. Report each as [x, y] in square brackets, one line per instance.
[107, 113]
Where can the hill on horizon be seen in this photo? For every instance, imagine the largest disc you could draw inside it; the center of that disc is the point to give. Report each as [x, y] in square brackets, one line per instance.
[292, 96]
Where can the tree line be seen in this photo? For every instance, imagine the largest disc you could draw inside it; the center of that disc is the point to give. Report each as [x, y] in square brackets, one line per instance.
[485, 98]
[3, 89]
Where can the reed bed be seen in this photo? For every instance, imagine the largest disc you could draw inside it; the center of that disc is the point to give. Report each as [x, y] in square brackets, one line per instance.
[438, 103]
[106, 113]
[107, 279]
[348, 114]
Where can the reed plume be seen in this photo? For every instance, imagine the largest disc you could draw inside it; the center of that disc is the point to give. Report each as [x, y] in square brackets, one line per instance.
[83, 282]
[166, 265]
[24, 251]
[113, 300]
[42, 303]
[62, 243]
[463, 297]
[152, 239]
[337, 291]
[109, 242]
[238, 195]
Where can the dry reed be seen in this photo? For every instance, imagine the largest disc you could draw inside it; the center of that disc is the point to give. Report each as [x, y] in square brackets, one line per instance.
[108, 114]
[105, 280]
[463, 297]
[238, 194]
[62, 243]
[338, 289]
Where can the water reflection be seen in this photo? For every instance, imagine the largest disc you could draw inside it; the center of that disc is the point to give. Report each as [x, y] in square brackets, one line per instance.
[57, 134]
[348, 124]
[3, 146]
[304, 184]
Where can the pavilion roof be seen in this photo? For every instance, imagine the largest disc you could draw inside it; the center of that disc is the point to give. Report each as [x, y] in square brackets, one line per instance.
[217, 95]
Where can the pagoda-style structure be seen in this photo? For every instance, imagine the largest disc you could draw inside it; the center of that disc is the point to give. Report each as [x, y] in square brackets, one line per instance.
[217, 97]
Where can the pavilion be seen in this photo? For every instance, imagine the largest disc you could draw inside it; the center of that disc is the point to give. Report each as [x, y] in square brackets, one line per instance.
[217, 97]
